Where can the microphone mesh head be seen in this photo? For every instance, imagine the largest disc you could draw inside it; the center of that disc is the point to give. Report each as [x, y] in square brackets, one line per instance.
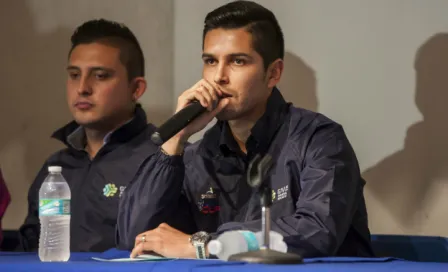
[156, 138]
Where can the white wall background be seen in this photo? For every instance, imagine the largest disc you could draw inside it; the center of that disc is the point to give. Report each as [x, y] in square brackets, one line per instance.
[353, 60]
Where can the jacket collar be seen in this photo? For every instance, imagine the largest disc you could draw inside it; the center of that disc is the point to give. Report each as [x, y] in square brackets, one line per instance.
[72, 134]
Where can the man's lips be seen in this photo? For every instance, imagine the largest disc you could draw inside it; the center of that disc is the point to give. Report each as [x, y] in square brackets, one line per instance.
[83, 105]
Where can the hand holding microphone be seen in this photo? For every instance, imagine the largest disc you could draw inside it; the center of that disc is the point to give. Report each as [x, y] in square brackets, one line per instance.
[196, 107]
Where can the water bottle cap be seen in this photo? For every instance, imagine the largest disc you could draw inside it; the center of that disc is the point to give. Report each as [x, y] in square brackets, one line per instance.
[214, 247]
[54, 169]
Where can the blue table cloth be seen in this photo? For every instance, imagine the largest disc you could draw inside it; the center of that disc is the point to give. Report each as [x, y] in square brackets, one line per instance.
[411, 247]
[14, 261]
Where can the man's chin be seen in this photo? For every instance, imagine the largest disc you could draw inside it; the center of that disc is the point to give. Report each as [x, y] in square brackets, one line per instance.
[226, 115]
[222, 117]
[246, 112]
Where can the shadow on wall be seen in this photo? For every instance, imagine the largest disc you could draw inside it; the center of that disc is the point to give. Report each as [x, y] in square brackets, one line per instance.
[32, 99]
[298, 83]
[405, 182]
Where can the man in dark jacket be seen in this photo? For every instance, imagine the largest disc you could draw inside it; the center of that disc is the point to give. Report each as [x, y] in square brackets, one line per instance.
[317, 189]
[108, 140]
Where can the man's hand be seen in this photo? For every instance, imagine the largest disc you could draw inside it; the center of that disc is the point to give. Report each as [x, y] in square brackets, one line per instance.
[208, 95]
[166, 241]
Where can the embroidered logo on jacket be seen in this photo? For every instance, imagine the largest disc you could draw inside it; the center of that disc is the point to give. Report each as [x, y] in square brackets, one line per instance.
[282, 192]
[209, 204]
[110, 190]
[122, 188]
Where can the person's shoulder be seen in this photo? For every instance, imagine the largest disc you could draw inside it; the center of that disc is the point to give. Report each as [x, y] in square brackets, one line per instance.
[57, 157]
[143, 138]
[306, 120]
[148, 131]
[141, 145]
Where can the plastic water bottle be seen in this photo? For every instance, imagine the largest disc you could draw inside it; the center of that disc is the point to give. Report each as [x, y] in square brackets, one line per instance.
[54, 215]
[275, 241]
[234, 242]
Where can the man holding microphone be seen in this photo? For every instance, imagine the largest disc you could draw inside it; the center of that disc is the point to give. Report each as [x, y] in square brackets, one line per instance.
[318, 204]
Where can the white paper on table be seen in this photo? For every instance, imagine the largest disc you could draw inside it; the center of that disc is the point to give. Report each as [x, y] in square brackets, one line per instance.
[144, 257]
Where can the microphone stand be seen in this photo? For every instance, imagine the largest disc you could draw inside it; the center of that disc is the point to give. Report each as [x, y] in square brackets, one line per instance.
[256, 173]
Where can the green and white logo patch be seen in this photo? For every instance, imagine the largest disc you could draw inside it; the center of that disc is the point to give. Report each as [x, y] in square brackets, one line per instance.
[110, 190]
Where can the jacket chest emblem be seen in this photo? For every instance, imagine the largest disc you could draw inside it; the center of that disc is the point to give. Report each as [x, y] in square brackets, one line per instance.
[208, 202]
[110, 190]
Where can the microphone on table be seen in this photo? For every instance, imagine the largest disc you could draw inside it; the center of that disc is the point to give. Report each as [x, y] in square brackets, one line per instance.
[177, 122]
[257, 178]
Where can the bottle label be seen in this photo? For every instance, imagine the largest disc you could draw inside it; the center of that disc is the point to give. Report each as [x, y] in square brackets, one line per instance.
[54, 207]
[251, 240]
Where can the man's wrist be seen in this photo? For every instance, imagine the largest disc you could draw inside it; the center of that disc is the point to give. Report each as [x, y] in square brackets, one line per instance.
[200, 241]
[174, 146]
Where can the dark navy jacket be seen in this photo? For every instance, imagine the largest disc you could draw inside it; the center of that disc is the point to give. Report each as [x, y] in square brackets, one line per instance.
[96, 185]
[317, 189]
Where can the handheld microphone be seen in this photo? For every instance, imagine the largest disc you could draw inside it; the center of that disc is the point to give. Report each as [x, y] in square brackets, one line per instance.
[177, 122]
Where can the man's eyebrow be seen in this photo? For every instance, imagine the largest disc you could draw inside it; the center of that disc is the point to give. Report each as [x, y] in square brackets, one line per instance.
[207, 55]
[93, 68]
[233, 55]
[72, 67]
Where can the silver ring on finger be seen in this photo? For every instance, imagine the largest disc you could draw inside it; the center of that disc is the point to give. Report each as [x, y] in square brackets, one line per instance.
[143, 238]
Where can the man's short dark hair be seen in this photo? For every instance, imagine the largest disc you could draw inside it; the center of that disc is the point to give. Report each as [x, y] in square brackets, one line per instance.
[115, 34]
[259, 21]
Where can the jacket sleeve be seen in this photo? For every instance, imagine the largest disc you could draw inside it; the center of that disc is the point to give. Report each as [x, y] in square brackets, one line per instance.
[331, 187]
[154, 197]
[29, 232]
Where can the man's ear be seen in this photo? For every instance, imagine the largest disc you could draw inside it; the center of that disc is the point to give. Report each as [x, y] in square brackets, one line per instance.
[274, 73]
[138, 87]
